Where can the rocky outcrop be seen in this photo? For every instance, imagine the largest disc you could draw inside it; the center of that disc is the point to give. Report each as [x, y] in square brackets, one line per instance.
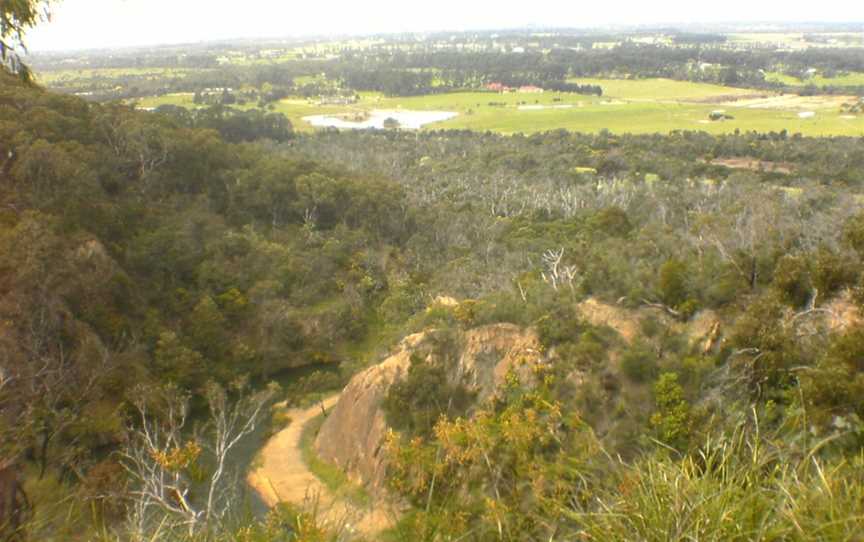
[490, 352]
[842, 313]
[705, 332]
[353, 434]
[624, 321]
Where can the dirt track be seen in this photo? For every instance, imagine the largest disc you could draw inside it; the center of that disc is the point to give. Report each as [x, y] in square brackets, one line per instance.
[282, 476]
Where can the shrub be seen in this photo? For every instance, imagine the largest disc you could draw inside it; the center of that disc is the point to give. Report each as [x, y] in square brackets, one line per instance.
[792, 280]
[649, 326]
[611, 221]
[672, 282]
[832, 271]
[639, 363]
[853, 233]
[415, 403]
[835, 387]
[671, 421]
[591, 350]
[560, 325]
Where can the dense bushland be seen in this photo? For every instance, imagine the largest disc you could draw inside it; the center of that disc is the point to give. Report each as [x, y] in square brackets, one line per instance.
[141, 252]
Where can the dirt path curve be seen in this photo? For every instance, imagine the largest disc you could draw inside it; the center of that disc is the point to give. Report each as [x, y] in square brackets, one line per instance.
[282, 476]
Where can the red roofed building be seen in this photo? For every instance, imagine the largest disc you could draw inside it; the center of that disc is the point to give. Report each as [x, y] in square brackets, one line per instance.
[531, 89]
[496, 87]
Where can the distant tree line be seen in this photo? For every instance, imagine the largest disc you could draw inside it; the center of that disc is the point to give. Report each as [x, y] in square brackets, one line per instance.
[234, 125]
[423, 70]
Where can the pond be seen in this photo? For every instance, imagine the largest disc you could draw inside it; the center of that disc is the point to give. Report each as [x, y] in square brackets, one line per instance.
[406, 119]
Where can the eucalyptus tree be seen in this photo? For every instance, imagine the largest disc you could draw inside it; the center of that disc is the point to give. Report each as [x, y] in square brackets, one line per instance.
[16, 17]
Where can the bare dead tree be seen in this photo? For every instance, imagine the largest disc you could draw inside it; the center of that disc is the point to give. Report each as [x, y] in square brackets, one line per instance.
[522, 291]
[552, 261]
[660, 306]
[144, 145]
[230, 422]
[556, 274]
[570, 272]
[757, 220]
[150, 149]
[156, 460]
[162, 452]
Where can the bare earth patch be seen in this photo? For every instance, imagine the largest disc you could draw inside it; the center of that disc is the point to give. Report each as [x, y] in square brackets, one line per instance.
[753, 165]
[624, 321]
[730, 98]
[793, 101]
[283, 476]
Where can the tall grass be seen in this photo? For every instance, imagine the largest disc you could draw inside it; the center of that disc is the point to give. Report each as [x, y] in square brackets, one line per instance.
[740, 487]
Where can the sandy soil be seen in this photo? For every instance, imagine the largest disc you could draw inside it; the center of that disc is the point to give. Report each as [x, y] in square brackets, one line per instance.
[282, 476]
[793, 101]
[729, 98]
[753, 164]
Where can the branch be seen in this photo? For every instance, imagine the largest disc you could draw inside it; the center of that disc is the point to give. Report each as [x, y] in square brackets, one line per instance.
[662, 307]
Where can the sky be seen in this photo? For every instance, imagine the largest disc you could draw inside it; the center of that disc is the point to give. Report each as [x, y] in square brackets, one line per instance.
[83, 24]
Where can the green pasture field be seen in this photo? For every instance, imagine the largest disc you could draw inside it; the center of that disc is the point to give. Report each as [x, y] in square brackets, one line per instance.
[628, 106]
[846, 80]
[183, 99]
[657, 89]
[658, 117]
[60, 77]
[797, 40]
[780, 38]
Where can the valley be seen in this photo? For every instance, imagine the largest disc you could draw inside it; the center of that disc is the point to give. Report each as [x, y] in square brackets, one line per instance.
[519, 284]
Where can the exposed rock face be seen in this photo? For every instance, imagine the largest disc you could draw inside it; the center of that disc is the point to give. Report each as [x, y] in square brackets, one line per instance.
[444, 301]
[842, 313]
[624, 321]
[491, 351]
[705, 330]
[353, 434]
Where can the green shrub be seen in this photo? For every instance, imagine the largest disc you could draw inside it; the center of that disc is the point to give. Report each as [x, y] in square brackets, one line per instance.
[499, 308]
[671, 421]
[639, 363]
[792, 280]
[590, 351]
[853, 233]
[672, 282]
[416, 402]
[832, 271]
[835, 386]
[650, 326]
[611, 221]
[560, 325]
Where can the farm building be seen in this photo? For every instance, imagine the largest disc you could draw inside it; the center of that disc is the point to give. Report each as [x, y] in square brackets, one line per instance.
[531, 89]
[497, 87]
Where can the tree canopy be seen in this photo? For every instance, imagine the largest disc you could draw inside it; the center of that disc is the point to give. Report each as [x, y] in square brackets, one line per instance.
[16, 17]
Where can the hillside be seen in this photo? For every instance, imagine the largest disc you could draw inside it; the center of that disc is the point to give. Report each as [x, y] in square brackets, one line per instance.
[557, 336]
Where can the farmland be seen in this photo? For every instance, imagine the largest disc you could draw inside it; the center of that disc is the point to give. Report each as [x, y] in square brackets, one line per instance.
[628, 106]
[819, 80]
[492, 285]
[649, 84]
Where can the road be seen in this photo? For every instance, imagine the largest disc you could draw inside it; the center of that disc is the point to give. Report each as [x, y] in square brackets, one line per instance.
[281, 475]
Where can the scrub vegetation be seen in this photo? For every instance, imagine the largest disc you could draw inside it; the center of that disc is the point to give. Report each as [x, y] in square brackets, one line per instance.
[688, 291]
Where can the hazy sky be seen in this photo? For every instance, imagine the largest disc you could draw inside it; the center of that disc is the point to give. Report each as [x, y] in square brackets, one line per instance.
[113, 23]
